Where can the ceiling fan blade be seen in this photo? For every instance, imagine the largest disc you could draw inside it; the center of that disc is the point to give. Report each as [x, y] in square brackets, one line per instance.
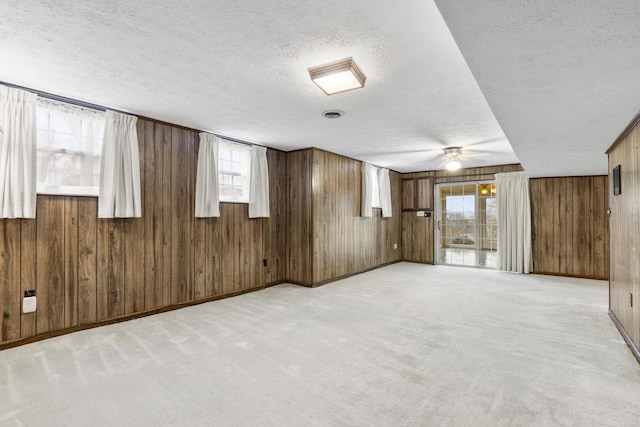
[473, 153]
[487, 142]
[427, 159]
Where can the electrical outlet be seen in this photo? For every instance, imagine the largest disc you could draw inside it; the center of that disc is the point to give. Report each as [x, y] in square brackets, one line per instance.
[29, 302]
[395, 246]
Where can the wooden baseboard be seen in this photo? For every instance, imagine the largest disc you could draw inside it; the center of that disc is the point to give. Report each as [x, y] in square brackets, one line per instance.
[344, 276]
[53, 334]
[577, 276]
[295, 282]
[632, 346]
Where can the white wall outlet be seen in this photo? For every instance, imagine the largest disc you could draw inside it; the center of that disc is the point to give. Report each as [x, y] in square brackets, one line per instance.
[29, 304]
[395, 246]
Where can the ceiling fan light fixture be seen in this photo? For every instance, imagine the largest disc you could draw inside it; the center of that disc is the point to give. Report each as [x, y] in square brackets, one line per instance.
[453, 165]
[452, 154]
[338, 76]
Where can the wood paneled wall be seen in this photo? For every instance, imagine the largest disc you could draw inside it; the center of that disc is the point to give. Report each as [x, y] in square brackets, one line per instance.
[86, 270]
[328, 237]
[625, 232]
[345, 243]
[417, 231]
[570, 227]
[299, 216]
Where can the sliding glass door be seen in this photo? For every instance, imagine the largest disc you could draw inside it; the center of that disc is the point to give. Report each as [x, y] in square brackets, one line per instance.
[467, 224]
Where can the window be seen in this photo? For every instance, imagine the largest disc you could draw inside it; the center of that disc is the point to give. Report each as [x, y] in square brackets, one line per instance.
[69, 146]
[234, 169]
[375, 188]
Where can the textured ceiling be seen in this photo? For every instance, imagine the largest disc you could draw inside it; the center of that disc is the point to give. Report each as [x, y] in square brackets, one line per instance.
[239, 69]
[562, 77]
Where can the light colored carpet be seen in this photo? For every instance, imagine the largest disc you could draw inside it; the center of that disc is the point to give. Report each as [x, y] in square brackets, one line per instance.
[405, 345]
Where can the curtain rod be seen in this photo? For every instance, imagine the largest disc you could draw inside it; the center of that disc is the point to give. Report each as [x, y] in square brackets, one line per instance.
[59, 98]
[84, 104]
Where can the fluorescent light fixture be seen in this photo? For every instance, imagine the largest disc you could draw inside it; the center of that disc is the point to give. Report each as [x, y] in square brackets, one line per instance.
[452, 165]
[338, 76]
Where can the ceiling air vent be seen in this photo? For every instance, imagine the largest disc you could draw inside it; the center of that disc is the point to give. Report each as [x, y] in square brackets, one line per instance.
[333, 114]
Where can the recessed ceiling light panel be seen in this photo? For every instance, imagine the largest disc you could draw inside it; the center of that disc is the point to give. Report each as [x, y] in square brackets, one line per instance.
[338, 76]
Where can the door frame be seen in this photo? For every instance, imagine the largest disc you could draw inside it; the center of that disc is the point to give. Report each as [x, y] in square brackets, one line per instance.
[437, 215]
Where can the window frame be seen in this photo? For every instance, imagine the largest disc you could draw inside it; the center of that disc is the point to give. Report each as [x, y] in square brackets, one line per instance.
[89, 148]
[227, 172]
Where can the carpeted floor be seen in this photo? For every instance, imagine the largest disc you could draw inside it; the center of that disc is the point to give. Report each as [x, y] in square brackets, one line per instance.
[404, 345]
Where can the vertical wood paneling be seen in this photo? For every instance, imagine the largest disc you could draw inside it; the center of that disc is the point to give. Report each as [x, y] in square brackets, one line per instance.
[417, 231]
[417, 238]
[242, 248]
[28, 262]
[182, 216]
[408, 194]
[207, 278]
[299, 210]
[134, 268]
[150, 137]
[102, 269]
[87, 260]
[70, 261]
[50, 247]
[344, 242]
[569, 226]
[115, 267]
[134, 243]
[230, 250]
[275, 231]
[624, 278]
[164, 193]
[10, 287]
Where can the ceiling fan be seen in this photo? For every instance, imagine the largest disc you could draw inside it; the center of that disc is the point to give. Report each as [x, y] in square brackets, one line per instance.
[453, 158]
[432, 157]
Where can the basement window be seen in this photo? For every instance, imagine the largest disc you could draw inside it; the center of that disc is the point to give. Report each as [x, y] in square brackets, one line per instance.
[234, 169]
[69, 147]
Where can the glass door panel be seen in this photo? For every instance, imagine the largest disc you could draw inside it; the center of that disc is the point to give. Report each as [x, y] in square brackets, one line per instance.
[467, 224]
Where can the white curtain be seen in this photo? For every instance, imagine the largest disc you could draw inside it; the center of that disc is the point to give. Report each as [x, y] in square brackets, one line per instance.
[17, 153]
[384, 184]
[514, 222]
[207, 188]
[120, 168]
[259, 188]
[367, 190]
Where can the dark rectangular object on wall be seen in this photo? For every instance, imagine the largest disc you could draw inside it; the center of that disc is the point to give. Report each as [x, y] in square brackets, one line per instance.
[616, 181]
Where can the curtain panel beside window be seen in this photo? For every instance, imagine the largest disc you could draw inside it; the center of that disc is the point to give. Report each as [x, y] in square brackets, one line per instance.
[514, 222]
[367, 190]
[384, 184]
[120, 168]
[17, 153]
[207, 187]
[259, 184]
